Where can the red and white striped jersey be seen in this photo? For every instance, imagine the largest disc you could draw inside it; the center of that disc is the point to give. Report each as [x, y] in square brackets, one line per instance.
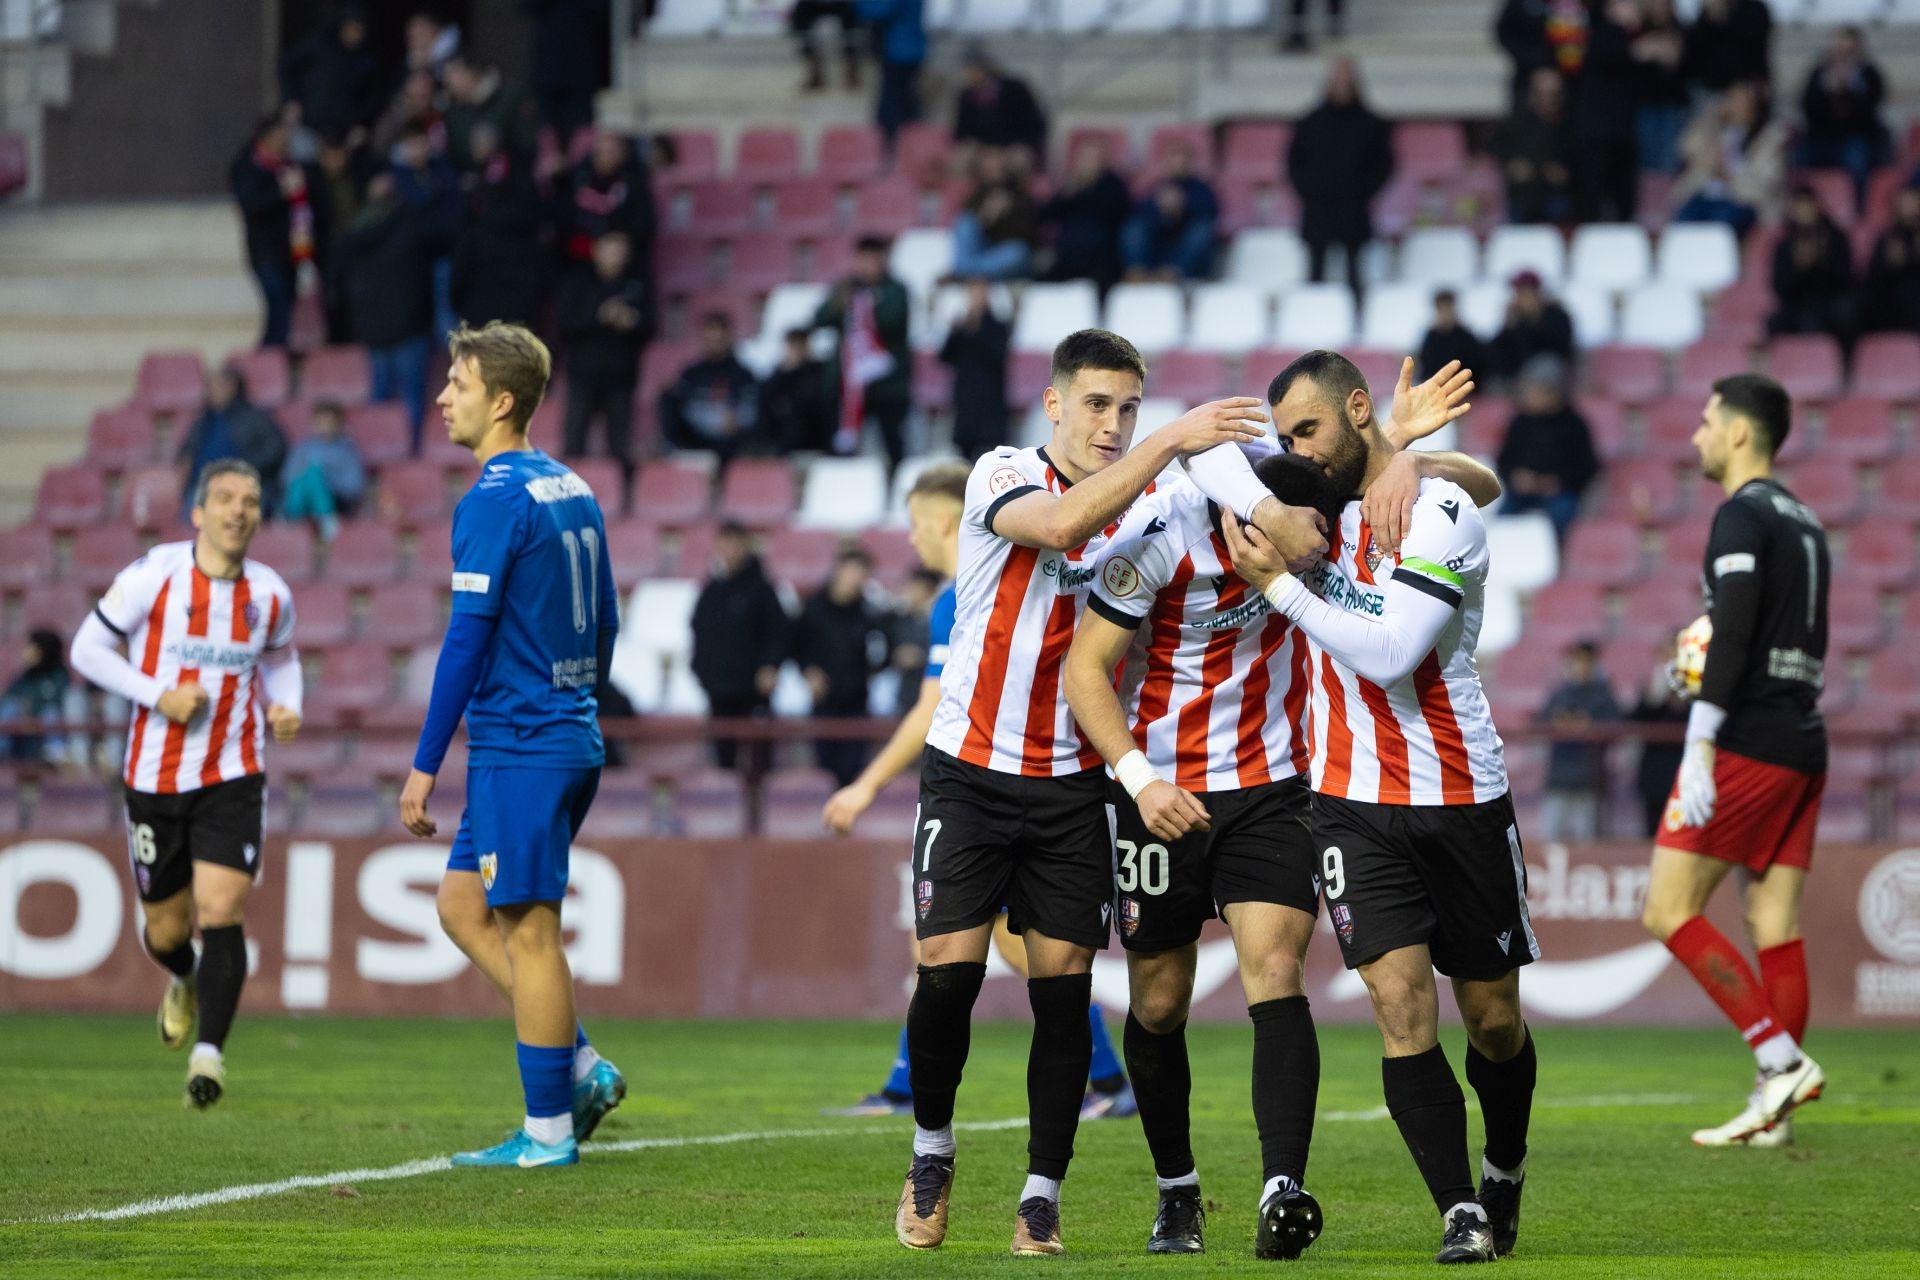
[1215, 682]
[183, 627]
[1429, 739]
[1001, 705]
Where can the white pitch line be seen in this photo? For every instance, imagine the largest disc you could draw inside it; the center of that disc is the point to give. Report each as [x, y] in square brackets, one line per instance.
[438, 1164]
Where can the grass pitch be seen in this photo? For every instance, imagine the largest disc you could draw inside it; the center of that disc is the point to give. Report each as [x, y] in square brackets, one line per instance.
[90, 1119]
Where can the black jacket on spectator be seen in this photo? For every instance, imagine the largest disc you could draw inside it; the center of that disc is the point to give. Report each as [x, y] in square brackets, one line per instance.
[596, 350]
[1812, 281]
[848, 642]
[1554, 444]
[567, 51]
[1719, 53]
[1601, 118]
[503, 108]
[500, 267]
[1457, 343]
[1655, 84]
[1547, 146]
[1003, 113]
[978, 358]
[739, 627]
[1339, 159]
[1890, 292]
[1522, 32]
[1851, 112]
[267, 217]
[595, 204]
[1550, 334]
[1087, 245]
[256, 438]
[1659, 761]
[725, 380]
[1579, 766]
[891, 309]
[336, 87]
[796, 408]
[384, 266]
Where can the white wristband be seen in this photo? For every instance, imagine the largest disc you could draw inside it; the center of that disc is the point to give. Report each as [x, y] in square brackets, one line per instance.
[1135, 773]
[1278, 588]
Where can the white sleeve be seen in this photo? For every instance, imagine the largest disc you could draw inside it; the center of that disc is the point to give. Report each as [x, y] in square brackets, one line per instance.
[1135, 564]
[1225, 474]
[280, 674]
[1384, 650]
[95, 654]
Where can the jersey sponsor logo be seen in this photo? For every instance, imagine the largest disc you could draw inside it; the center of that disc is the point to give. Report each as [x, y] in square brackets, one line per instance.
[477, 583]
[1005, 478]
[1337, 589]
[1120, 577]
[1452, 508]
[204, 654]
[489, 868]
[557, 488]
[1733, 562]
[1239, 616]
[1070, 579]
[576, 673]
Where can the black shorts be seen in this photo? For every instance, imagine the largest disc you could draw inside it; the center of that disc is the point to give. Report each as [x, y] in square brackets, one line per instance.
[1258, 848]
[167, 834]
[1450, 876]
[1040, 847]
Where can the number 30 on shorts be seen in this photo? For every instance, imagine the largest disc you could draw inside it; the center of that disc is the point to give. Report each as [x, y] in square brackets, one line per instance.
[1143, 867]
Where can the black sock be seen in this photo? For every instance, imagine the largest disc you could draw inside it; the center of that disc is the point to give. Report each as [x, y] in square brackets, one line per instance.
[178, 962]
[1427, 1104]
[1163, 1086]
[1505, 1090]
[939, 1032]
[223, 971]
[1286, 1084]
[1056, 1069]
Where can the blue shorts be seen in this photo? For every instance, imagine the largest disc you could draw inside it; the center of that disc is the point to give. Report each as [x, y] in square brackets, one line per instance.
[518, 827]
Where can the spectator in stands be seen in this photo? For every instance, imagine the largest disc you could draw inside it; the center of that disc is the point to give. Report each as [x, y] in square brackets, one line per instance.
[231, 426]
[869, 311]
[500, 268]
[1735, 153]
[907, 635]
[1535, 325]
[976, 350]
[715, 402]
[803, 20]
[1547, 460]
[739, 641]
[1812, 272]
[1730, 42]
[567, 61]
[278, 202]
[839, 642]
[900, 40]
[1890, 292]
[1296, 40]
[331, 72]
[1447, 339]
[1606, 172]
[1660, 703]
[1173, 229]
[1842, 106]
[1087, 213]
[1543, 33]
[416, 106]
[339, 178]
[38, 692]
[385, 268]
[998, 110]
[1340, 157]
[1576, 770]
[1662, 101]
[476, 93]
[994, 231]
[430, 43]
[426, 183]
[1535, 148]
[611, 190]
[796, 403]
[605, 318]
[325, 477]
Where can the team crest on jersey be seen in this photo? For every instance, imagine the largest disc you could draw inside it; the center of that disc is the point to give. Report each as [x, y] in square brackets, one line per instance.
[1129, 916]
[1375, 554]
[1120, 577]
[1004, 479]
[252, 614]
[489, 867]
[1343, 921]
[923, 897]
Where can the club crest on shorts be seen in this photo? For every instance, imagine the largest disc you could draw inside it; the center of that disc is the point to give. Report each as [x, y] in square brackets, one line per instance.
[1129, 916]
[923, 897]
[1343, 921]
[489, 867]
[1674, 819]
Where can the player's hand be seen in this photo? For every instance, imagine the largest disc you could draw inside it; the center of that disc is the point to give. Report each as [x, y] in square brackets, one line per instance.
[1170, 812]
[1698, 795]
[182, 703]
[1297, 534]
[284, 721]
[413, 804]
[1217, 422]
[1254, 558]
[1387, 505]
[1420, 411]
[845, 806]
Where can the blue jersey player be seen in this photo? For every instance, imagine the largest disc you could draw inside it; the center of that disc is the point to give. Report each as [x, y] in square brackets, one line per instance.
[534, 619]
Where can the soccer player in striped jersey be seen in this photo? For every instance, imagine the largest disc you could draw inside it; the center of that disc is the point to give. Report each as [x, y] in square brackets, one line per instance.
[1013, 801]
[1420, 856]
[1206, 735]
[214, 634]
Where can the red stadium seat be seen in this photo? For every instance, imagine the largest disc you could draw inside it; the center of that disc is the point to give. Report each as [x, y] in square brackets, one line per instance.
[366, 553]
[759, 492]
[1381, 369]
[683, 263]
[1856, 622]
[59, 605]
[1887, 365]
[727, 207]
[1659, 607]
[802, 558]
[1429, 150]
[1631, 375]
[670, 493]
[759, 263]
[1118, 139]
[382, 433]
[1647, 491]
[767, 155]
[1808, 365]
[1255, 149]
[171, 382]
[1607, 423]
[70, 497]
[1705, 363]
[150, 498]
[414, 493]
[305, 757]
[1670, 424]
[121, 438]
[339, 374]
[323, 616]
[285, 548]
[355, 679]
[1834, 187]
[405, 615]
[264, 370]
[1166, 138]
[696, 156]
[26, 556]
[296, 421]
[1027, 376]
[1607, 552]
[1564, 611]
[805, 209]
[923, 152]
[633, 550]
[1899, 496]
[1831, 486]
[933, 382]
[432, 557]
[1879, 553]
[1893, 674]
[692, 554]
[850, 154]
[885, 207]
[1482, 431]
[100, 552]
[1859, 429]
[893, 556]
[1630, 662]
[1194, 377]
[608, 482]
[1683, 546]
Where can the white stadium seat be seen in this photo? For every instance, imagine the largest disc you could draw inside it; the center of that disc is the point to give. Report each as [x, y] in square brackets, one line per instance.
[1662, 315]
[1591, 308]
[790, 306]
[1526, 248]
[1483, 308]
[1271, 257]
[1316, 315]
[1700, 255]
[682, 695]
[1500, 621]
[903, 478]
[1036, 428]
[1435, 256]
[844, 494]
[1522, 553]
[920, 256]
[661, 614]
[995, 15]
[1049, 312]
[1610, 255]
[1230, 319]
[1152, 316]
[1396, 317]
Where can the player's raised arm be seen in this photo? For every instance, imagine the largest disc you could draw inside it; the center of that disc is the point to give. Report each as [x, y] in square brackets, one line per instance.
[1418, 412]
[1227, 477]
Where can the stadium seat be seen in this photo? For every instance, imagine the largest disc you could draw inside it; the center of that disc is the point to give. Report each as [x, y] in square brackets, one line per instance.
[355, 678]
[922, 152]
[759, 264]
[324, 616]
[1808, 365]
[893, 556]
[608, 482]
[766, 155]
[1831, 486]
[1118, 140]
[671, 493]
[58, 605]
[121, 437]
[1395, 316]
[171, 382]
[100, 552]
[1540, 249]
[1255, 149]
[1483, 307]
[1607, 424]
[1230, 319]
[1191, 377]
[724, 208]
[1380, 368]
[306, 757]
[1315, 315]
[932, 384]
[1879, 553]
[758, 492]
[1048, 312]
[804, 209]
[1152, 316]
[1834, 189]
[1859, 429]
[1561, 612]
[1439, 256]
[264, 370]
[1704, 363]
[1502, 621]
[1429, 150]
[849, 154]
[366, 553]
[682, 263]
[1659, 607]
[662, 614]
[1271, 258]
[414, 493]
[1662, 315]
[801, 558]
[339, 374]
[382, 433]
[1630, 375]
[404, 615]
[1703, 256]
[790, 306]
[26, 556]
[1522, 551]
[1591, 308]
[1606, 552]
[1899, 496]
[1027, 376]
[696, 156]
[1485, 427]
[920, 257]
[633, 550]
[70, 497]
[884, 207]
[287, 548]
[1856, 622]
[1887, 365]
[845, 494]
[946, 305]
[150, 497]
[1644, 490]
[1610, 255]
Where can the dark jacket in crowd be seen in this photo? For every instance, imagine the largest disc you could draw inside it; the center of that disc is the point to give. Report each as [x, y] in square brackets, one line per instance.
[703, 386]
[1812, 280]
[890, 312]
[1601, 98]
[1339, 159]
[1001, 113]
[267, 217]
[433, 193]
[1724, 52]
[1457, 343]
[336, 87]
[1555, 444]
[1551, 333]
[847, 642]
[796, 408]
[596, 203]
[1548, 146]
[977, 355]
[1522, 32]
[1086, 243]
[1015, 218]
[1659, 761]
[500, 266]
[1656, 84]
[739, 627]
[384, 266]
[502, 107]
[242, 430]
[567, 46]
[1890, 291]
[595, 349]
[1852, 111]
[1579, 766]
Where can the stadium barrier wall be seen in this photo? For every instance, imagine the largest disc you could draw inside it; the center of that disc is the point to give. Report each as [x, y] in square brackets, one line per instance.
[693, 928]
